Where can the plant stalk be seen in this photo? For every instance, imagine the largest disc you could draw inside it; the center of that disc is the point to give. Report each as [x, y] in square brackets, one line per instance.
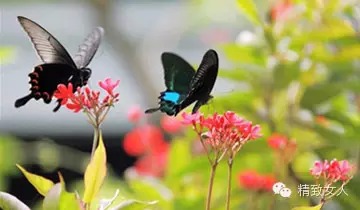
[211, 183]
[95, 140]
[228, 194]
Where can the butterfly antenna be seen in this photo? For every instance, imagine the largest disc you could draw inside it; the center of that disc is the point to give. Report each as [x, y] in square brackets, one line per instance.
[152, 110]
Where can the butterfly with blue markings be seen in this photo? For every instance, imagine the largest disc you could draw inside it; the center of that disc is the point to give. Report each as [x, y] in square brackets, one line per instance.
[185, 85]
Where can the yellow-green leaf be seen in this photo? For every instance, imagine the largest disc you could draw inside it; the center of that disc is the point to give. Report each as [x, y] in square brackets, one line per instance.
[95, 172]
[318, 207]
[61, 180]
[106, 203]
[68, 201]
[41, 184]
[52, 198]
[248, 8]
[134, 204]
[59, 198]
[7, 54]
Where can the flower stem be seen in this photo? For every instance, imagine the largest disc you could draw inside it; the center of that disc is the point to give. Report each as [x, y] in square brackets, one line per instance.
[95, 140]
[212, 176]
[339, 190]
[91, 118]
[253, 201]
[204, 146]
[323, 194]
[104, 115]
[228, 195]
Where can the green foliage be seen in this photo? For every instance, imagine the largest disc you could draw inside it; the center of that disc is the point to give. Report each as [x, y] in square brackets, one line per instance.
[249, 10]
[302, 66]
[7, 54]
[299, 69]
[95, 172]
[42, 185]
[300, 78]
[56, 196]
[318, 207]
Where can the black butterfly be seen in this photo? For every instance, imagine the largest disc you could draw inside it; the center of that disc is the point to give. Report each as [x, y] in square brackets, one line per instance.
[58, 67]
[184, 85]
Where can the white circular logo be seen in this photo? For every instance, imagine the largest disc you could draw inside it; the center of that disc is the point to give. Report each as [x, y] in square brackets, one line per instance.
[285, 192]
[277, 187]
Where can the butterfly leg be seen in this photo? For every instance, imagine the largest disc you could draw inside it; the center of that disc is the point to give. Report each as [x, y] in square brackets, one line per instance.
[58, 105]
[197, 106]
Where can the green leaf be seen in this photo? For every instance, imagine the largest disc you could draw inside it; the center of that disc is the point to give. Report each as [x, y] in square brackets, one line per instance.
[8, 202]
[339, 117]
[58, 198]
[235, 74]
[41, 184]
[334, 30]
[151, 189]
[350, 200]
[179, 157]
[68, 201]
[331, 6]
[133, 205]
[317, 94]
[284, 74]
[345, 41]
[344, 54]
[353, 85]
[52, 198]
[95, 172]
[6, 54]
[106, 203]
[330, 135]
[318, 207]
[244, 54]
[248, 8]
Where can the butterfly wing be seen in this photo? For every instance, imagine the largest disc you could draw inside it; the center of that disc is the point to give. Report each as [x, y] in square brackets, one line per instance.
[177, 73]
[47, 46]
[203, 81]
[44, 81]
[88, 48]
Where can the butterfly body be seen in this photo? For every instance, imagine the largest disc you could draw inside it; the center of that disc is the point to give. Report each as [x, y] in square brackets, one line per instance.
[169, 100]
[58, 67]
[184, 85]
[171, 96]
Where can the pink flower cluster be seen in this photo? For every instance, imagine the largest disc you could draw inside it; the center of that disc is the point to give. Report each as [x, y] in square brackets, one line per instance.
[148, 144]
[87, 99]
[277, 141]
[252, 180]
[284, 147]
[333, 171]
[171, 125]
[223, 131]
[281, 10]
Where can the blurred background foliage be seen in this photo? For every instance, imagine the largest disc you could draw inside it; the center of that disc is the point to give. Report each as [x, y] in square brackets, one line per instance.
[292, 67]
